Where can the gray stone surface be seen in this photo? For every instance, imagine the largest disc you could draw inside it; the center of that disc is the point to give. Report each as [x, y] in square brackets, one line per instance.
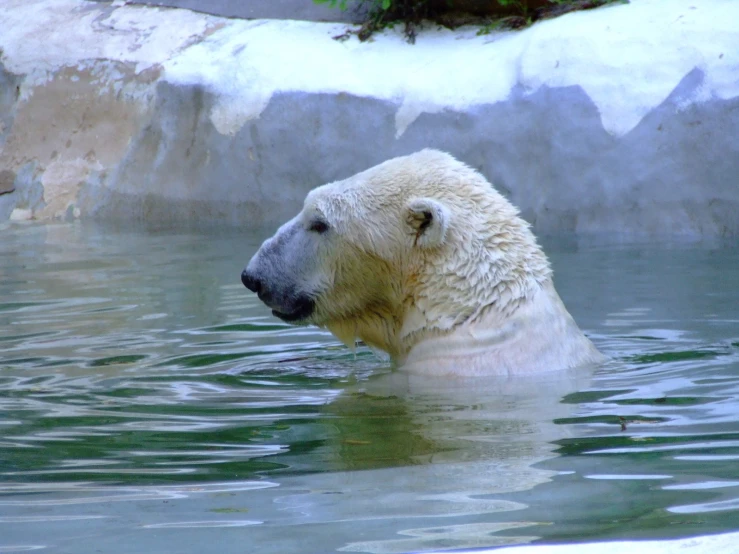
[547, 152]
[263, 9]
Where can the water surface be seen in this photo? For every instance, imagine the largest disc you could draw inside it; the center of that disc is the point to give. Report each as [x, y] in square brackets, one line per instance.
[148, 403]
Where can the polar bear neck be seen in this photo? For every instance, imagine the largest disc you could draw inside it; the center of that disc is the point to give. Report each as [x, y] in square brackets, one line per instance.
[485, 274]
[479, 279]
[540, 336]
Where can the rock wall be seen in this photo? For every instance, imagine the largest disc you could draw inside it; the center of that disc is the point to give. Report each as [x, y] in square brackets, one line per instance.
[621, 120]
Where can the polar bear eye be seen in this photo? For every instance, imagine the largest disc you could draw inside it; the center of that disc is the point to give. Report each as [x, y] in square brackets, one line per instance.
[318, 226]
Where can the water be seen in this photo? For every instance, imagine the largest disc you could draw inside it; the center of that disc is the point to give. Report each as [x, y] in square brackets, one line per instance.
[148, 403]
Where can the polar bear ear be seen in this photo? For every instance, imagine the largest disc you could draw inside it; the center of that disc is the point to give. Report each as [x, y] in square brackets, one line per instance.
[428, 220]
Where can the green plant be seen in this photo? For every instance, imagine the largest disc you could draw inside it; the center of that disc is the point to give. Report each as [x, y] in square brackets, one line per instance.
[379, 14]
[342, 4]
[332, 3]
[489, 16]
[521, 5]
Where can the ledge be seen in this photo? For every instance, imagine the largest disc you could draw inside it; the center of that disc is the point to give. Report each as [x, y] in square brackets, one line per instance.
[620, 120]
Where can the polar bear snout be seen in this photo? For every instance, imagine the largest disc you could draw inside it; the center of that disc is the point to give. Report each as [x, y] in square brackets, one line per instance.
[272, 277]
[251, 281]
[287, 304]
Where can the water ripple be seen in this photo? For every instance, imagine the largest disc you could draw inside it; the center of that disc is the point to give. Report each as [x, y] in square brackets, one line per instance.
[134, 367]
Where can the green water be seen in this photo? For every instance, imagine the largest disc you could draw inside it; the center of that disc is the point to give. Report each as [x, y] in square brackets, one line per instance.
[149, 403]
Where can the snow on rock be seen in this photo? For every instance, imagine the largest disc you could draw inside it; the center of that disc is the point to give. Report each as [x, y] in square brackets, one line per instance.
[39, 37]
[627, 58]
[617, 120]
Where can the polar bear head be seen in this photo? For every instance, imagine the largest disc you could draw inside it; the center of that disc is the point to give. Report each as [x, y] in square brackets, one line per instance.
[410, 249]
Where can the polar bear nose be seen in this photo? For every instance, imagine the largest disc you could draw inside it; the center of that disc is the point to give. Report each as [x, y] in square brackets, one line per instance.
[250, 282]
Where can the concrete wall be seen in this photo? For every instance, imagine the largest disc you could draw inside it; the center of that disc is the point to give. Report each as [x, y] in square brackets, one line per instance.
[622, 120]
[263, 9]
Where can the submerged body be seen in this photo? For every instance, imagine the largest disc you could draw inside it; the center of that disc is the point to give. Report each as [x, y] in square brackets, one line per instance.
[539, 336]
[422, 258]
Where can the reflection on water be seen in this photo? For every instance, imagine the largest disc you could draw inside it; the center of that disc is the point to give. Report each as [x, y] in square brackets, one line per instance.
[148, 403]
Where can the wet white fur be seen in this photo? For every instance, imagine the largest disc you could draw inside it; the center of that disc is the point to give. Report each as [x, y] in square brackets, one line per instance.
[467, 293]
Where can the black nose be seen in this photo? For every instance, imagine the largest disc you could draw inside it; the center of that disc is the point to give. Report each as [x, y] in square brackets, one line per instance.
[251, 282]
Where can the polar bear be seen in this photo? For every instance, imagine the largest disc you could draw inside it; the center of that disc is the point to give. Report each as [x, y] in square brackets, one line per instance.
[422, 258]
